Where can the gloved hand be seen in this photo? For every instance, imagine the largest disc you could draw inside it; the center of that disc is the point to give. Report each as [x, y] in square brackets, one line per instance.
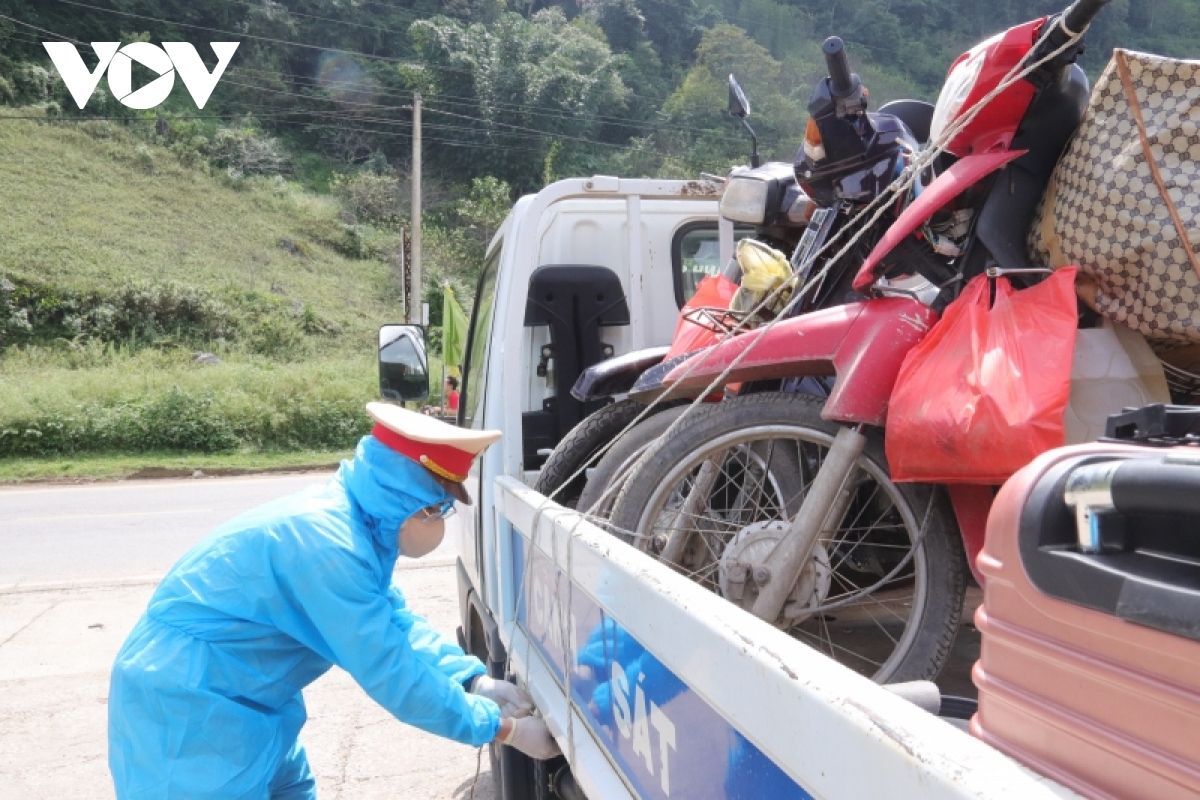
[531, 736]
[514, 701]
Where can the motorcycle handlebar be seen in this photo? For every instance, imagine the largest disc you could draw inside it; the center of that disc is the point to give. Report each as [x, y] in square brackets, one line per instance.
[1081, 13]
[839, 66]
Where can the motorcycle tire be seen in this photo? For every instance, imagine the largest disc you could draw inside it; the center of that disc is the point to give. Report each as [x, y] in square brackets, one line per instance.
[617, 463]
[579, 448]
[743, 511]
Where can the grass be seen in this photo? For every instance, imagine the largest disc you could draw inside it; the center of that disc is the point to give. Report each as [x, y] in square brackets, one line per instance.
[114, 466]
[84, 210]
[100, 398]
[88, 207]
[38, 381]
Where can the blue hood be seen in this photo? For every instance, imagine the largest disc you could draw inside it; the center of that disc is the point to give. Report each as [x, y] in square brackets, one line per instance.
[388, 488]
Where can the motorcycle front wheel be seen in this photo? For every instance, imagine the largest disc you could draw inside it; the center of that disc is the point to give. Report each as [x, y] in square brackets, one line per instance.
[882, 592]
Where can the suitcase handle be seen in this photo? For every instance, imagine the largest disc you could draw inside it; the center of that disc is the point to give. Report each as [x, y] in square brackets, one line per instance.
[1150, 585]
[1133, 486]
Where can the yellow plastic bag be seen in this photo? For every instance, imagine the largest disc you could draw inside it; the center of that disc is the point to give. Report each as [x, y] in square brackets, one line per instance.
[764, 269]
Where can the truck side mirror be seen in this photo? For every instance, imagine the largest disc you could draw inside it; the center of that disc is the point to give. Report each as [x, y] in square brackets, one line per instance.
[403, 364]
[739, 106]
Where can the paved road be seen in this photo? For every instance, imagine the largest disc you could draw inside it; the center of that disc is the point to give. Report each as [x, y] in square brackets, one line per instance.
[77, 566]
[120, 529]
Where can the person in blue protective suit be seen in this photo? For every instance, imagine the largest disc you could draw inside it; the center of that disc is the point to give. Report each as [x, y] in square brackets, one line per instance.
[205, 697]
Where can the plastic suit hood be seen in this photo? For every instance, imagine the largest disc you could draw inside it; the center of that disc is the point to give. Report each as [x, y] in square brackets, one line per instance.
[205, 694]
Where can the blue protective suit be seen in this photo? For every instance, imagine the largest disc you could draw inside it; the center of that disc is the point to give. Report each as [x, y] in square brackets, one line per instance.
[205, 693]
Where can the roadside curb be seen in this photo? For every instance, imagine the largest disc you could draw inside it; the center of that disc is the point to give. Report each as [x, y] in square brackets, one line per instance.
[175, 473]
[158, 473]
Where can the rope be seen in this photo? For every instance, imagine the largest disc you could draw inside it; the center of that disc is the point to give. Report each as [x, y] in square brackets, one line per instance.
[901, 184]
[478, 766]
[879, 206]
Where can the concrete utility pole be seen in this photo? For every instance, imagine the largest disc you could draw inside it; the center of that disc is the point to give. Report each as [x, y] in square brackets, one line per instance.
[414, 302]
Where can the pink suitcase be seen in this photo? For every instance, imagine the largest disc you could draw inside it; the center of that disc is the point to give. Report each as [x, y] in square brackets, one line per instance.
[1089, 669]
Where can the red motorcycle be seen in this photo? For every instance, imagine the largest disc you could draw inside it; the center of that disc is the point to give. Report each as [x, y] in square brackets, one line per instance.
[782, 501]
[582, 471]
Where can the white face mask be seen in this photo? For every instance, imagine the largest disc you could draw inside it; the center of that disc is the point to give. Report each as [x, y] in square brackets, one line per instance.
[419, 536]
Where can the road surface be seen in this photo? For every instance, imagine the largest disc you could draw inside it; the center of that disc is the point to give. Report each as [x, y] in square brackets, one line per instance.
[77, 566]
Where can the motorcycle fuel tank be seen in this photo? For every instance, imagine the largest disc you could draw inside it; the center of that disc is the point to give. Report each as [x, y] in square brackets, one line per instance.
[863, 344]
[961, 175]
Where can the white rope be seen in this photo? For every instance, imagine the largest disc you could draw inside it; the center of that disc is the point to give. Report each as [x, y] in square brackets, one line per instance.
[900, 185]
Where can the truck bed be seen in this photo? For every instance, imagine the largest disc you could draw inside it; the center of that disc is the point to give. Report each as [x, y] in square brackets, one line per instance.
[675, 692]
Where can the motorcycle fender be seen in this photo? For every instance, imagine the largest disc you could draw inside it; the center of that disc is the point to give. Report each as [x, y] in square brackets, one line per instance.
[615, 375]
[971, 506]
[962, 175]
[863, 344]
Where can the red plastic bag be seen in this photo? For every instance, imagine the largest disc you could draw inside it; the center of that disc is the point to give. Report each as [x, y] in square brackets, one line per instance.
[714, 291]
[985, 392]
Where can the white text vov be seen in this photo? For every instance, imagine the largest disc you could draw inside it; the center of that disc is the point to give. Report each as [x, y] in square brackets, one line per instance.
[118, 61]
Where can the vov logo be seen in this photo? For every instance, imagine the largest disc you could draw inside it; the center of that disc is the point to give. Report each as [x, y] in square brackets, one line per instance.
[167, 60]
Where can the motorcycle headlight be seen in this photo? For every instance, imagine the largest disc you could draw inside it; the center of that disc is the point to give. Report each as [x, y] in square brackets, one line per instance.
[746, 200]
[957, 89]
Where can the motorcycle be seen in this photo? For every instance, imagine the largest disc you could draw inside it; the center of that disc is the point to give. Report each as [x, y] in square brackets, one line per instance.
[785, 216]
[782, 501]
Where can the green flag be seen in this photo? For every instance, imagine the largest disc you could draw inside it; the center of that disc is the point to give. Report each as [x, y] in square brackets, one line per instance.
[454, 331]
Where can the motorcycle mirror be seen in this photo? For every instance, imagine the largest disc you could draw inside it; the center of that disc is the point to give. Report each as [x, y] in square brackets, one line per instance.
[739, 106]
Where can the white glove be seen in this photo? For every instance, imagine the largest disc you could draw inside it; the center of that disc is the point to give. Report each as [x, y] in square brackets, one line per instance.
[513, 700]
[531, 736]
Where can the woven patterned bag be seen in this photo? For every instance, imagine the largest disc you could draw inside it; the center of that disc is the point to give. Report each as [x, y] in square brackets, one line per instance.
[1124, 202]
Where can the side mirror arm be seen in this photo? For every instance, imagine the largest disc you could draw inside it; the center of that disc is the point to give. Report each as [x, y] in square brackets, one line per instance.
[755, 159]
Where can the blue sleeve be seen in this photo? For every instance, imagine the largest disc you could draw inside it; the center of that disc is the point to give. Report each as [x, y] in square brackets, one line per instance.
[333, 604]
[446, 656]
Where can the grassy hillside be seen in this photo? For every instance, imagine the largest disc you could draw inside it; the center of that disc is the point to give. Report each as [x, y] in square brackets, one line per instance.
[88, 206]
[119, 261]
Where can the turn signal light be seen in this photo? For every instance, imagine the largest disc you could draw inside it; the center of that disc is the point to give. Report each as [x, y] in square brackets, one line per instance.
[814, 147]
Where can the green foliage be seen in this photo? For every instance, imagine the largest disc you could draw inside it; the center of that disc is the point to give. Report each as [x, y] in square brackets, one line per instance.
[483, 209]
[701, 134]
[85, 216]
[186, 421]
[175, 421]
[244, 150]
[369, 196]
[459, 238]
[14, 320]
[150, 401]
[142, 313]
[554, 89]
[520, 75]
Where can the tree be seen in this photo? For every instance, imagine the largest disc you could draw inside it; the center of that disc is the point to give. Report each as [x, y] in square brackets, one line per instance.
[460, 233]
[700, 134]
[511, 89]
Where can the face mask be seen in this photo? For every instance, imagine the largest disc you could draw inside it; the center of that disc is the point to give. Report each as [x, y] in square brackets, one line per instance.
[420, 536]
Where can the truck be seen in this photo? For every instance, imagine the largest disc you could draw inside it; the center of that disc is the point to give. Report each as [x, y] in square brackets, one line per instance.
[653, 686]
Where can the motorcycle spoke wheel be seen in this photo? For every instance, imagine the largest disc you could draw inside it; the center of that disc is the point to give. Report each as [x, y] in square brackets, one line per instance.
[865, 598]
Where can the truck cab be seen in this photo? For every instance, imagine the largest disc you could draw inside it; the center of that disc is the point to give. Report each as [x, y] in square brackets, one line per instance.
[585, 270]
